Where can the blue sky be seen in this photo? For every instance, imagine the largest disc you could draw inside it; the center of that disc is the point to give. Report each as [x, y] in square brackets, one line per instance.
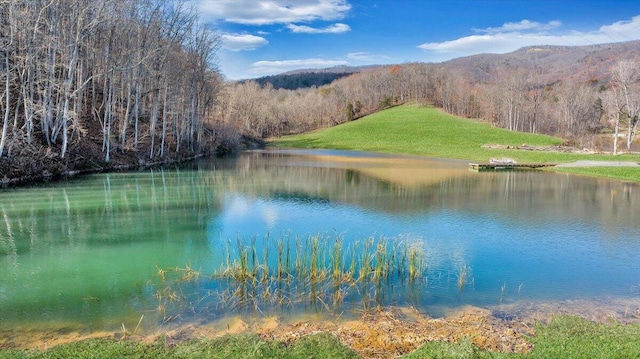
[266, 37]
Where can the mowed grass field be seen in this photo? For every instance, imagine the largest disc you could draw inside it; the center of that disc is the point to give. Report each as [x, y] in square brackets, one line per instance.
[427, 131]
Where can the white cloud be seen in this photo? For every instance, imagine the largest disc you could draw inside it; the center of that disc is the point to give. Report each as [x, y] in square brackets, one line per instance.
[367, 57]
[524, 25]
[242, 42]
[253, 12]
[276, 67]
[512, 36]
[476, 44]
[333, 29]
[623, 29]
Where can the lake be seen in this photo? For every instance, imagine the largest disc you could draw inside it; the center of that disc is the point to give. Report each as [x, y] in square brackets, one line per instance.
[106, 250]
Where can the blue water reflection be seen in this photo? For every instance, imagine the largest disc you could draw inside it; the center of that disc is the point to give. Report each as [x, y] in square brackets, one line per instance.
[90, 250]
[523, 235]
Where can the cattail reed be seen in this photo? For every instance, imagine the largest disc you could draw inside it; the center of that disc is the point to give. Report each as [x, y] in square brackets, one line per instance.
[290, 271]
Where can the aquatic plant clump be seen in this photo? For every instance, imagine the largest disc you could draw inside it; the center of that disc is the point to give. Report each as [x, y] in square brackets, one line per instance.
[316, 273]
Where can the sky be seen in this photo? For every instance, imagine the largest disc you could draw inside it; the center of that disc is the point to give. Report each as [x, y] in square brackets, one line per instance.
[268, 37]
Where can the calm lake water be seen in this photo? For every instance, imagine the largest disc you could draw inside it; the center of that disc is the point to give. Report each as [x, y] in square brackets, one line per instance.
[88, 253]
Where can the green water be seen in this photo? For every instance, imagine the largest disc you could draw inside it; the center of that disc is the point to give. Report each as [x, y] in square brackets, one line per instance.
[86, 253]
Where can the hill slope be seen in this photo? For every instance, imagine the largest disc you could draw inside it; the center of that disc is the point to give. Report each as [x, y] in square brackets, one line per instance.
[415, 130]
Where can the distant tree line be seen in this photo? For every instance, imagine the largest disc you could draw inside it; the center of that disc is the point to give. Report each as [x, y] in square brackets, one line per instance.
[513, 97]
[130, 75]
[296, 81]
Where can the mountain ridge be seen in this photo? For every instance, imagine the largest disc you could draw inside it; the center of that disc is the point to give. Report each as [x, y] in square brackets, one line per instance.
[550, 63]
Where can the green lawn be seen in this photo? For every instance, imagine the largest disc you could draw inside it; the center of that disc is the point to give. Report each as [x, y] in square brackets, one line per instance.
[630, 174]
[427, 131]
[240, 346]
[565, 337]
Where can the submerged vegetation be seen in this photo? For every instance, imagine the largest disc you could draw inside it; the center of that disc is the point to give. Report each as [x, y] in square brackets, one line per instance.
[319, 273]
[463, 277]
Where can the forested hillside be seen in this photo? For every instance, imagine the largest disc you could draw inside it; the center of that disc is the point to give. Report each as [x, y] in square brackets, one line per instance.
[97, 83]
[584, 94]
[302, 80]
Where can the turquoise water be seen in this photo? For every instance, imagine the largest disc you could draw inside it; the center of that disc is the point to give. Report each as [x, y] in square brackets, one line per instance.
[87, 252]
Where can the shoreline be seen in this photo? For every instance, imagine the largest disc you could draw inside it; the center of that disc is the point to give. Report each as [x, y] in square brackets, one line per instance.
[46, 176]
[384, 332]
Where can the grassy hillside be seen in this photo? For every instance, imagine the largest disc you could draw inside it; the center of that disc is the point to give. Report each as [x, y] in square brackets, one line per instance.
[425, 131]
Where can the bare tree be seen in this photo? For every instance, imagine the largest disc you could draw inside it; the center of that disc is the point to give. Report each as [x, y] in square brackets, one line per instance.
[626, 78]
[69, 64]
[613, 110]
[7, 31]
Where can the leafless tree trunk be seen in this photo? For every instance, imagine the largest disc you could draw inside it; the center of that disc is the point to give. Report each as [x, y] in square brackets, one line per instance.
[626, 76]
[7, 103]
[6, 41]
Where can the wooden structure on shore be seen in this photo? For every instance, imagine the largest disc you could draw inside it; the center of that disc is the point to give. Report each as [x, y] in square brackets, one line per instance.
[506, 166]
